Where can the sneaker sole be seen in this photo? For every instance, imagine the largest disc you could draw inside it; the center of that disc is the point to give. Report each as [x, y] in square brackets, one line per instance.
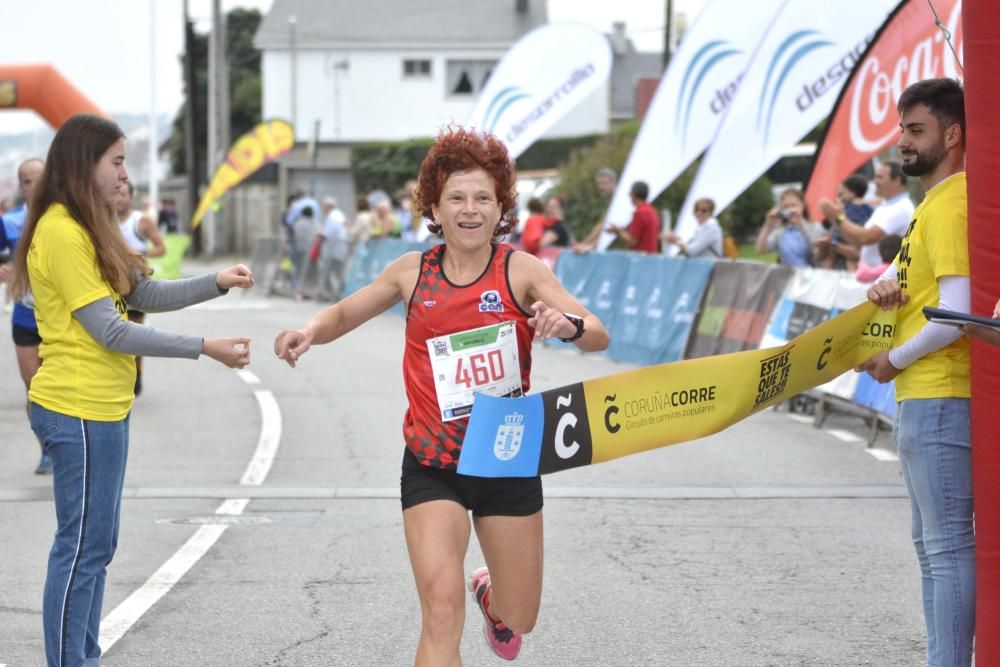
[489, 642]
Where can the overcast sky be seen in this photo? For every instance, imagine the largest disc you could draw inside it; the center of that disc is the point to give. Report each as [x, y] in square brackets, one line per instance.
[103, 46]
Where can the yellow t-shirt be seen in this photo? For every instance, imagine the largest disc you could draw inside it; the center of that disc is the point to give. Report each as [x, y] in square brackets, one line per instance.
[79, 376]
[936, 244]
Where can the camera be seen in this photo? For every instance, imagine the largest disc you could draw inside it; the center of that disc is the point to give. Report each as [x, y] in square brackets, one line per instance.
[785, 215]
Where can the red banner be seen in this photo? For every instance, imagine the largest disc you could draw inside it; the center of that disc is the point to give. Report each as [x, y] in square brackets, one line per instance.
[982, 98]
[864, 122]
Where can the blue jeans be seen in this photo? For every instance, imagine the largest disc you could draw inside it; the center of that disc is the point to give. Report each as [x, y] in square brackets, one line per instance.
[934, 442]
[88, 459]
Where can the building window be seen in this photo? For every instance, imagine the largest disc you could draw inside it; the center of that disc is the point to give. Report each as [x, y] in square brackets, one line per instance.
[416, 68]
[468, 77]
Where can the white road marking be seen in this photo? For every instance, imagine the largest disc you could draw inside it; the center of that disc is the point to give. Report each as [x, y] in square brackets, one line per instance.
[248, 377]
[267, 444]
[882, 454]
[124, 616]
[117, 623]
[846, 436]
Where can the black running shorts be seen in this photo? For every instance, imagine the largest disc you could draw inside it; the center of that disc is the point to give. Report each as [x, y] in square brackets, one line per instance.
[501, 496]
[25, 337]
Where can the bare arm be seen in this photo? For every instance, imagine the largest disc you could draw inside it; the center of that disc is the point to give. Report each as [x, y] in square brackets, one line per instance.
[394, 284]
[595, 233]
[623, 233]
[149, 230]
[855, 233]
[851, 231]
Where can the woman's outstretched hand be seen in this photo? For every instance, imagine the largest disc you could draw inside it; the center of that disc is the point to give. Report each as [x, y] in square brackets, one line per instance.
[233, 352]
[235, 276]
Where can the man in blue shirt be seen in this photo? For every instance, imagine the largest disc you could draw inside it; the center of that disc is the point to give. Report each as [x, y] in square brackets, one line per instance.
[23, 328]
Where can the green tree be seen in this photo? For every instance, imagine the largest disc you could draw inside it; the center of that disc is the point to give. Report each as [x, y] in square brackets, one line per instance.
[243, 61]
[584, 206]
[389, 163]
[745, 215]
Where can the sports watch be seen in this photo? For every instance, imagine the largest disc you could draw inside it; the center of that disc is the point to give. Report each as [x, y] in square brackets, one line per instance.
[578, 322]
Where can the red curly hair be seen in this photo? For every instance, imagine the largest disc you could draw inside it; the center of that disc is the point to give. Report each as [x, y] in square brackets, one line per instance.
[457, 150]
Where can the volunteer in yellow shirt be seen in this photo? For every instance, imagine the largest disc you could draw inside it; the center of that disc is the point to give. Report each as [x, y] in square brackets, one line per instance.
[930, 364]
[74, 262]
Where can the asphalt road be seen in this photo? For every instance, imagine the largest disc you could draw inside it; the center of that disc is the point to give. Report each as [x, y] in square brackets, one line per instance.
[772, 543]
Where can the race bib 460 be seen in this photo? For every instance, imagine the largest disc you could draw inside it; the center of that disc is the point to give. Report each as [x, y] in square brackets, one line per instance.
[483, 360]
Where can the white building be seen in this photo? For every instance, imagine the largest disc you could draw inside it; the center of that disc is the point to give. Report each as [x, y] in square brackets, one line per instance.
[346, 72]
[386, 70]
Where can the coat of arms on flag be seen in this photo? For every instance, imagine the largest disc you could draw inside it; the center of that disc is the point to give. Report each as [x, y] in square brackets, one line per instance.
[509, 436]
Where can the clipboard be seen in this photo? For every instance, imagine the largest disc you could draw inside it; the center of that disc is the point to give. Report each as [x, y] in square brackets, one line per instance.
[956, 319]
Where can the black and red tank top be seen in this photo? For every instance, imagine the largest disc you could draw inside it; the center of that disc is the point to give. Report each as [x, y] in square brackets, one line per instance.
[439, 307]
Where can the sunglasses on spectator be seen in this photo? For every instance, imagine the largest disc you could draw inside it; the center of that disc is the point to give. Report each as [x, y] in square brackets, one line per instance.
[702, 210]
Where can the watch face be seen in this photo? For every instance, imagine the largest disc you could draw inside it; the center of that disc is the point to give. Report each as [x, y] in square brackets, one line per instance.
[578, 321]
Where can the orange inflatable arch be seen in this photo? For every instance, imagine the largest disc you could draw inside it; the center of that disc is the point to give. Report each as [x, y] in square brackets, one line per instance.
[43, 89]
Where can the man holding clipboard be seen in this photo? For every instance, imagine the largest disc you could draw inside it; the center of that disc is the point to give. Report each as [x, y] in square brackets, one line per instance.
[930, 365]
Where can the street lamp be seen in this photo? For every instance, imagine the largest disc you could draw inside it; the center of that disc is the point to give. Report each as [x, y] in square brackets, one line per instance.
[339, 67]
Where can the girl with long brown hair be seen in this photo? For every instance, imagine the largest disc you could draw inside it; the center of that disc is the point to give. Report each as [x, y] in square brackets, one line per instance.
[82, 278]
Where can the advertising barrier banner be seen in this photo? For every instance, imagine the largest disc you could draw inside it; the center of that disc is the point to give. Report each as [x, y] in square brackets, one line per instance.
[617, 415]
[736, 308]
[656, 308]
[371, 258]
[869, 393]
[595, 280]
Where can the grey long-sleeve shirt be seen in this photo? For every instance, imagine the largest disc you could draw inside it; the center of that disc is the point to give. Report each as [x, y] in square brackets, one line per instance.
[103, 322]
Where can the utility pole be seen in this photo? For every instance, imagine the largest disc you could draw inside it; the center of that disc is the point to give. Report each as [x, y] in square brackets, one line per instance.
[218, 114]
[224, 110]
[154, 172]
[191, 162]
[668, 34]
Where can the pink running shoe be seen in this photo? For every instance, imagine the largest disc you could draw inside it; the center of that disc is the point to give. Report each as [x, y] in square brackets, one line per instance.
[502, 640]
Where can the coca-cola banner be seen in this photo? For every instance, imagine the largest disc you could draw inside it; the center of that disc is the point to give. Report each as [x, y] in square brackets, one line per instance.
[790, 85]
[692, 97]
[909, 48]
